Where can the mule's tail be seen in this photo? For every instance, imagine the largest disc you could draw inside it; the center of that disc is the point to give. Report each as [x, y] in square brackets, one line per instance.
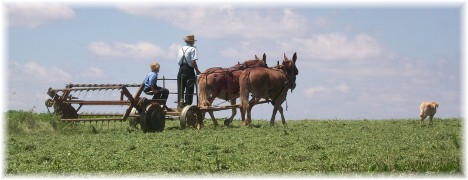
[203, 90]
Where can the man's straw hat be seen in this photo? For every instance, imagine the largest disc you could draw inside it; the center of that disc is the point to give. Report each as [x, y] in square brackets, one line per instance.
[190, 38]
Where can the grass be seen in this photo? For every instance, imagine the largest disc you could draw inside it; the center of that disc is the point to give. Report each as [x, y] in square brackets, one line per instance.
[38, 144]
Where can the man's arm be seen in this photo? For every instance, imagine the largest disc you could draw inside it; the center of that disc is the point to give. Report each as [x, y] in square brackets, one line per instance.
[195, 66]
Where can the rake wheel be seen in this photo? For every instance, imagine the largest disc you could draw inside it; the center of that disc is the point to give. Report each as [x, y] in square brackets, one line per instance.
[191, 116]
[153, 119]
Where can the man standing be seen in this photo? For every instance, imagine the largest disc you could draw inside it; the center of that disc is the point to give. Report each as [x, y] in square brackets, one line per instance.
[187, 60]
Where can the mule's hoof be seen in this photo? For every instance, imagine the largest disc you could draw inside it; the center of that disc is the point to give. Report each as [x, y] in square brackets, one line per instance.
[244, 123]
[227, 122]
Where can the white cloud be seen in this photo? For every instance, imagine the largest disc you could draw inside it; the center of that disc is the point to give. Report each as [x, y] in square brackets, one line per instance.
[321, 21]
[33, 72]
[226, 21]
[35, 14]
[381, 97]
[316, 47]
[342, 88]
[173, 48]
[140, 50]
[312, 91]
[337, 46]
[94, 72]
[245, 48]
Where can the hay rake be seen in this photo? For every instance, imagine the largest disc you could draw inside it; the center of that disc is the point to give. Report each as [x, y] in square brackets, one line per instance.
[146, 112]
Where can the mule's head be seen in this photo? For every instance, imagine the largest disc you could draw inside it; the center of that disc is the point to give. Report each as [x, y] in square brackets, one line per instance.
[289, 66]
[257, 62]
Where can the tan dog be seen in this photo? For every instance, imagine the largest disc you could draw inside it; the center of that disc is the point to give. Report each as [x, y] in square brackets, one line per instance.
[428, 109]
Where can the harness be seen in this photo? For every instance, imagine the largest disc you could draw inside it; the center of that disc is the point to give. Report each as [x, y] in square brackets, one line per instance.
[228, 73]
[284, 84]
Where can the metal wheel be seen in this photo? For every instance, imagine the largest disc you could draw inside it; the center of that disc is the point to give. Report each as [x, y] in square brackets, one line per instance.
[49, 103]
[153, 119]
[192, 116]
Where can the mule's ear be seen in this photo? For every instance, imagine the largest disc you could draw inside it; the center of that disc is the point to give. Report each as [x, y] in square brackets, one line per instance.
[256, 58]
[285, 58]
[294, 57]
[264, 58]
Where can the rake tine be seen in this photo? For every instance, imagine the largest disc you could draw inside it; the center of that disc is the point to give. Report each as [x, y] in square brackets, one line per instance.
[111, 91]
[102, 95]
[86, 94]
[115, 94]
[79, 93]
[91, 94]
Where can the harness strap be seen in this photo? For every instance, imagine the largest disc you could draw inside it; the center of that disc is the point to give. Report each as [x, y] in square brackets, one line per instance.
[284, 86]
[276, 97]
[185, 60]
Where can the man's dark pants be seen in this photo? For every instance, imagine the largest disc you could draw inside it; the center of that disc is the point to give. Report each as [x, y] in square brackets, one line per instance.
[185, 85]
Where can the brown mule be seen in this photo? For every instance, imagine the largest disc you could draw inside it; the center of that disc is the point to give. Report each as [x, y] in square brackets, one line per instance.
[268, 83]
[223, 83]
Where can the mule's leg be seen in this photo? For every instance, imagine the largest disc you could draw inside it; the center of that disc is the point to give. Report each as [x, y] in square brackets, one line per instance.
[251, 103]
[203, 115]
[242, 108]
[273, 114]
[282, 116]
[215, 122]
[249, 114]
[234, 112]
[276, 108]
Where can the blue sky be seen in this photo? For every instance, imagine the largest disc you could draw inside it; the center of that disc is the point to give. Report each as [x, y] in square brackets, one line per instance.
[354, 62]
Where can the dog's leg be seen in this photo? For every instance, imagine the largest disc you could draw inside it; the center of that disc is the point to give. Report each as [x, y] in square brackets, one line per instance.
[430, 119]
[422, 119]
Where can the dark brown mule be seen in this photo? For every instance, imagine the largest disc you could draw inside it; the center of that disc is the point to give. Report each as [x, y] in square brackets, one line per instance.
[223, 83]
[268, 83]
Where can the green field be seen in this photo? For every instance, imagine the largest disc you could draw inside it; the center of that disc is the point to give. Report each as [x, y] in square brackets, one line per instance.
[38, 144]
